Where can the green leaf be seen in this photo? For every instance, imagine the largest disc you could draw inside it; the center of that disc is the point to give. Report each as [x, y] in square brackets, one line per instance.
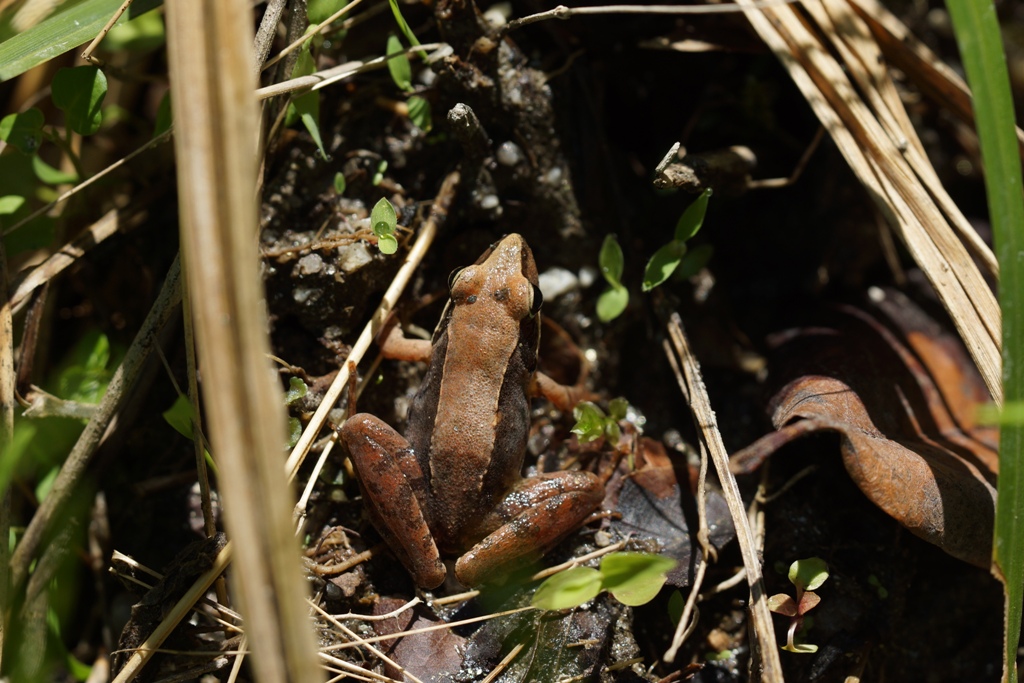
[611, 260]
[617, 408]
[296, 390]
[809, 573]
[163, 115]
[70, 25]
[399, 67]
[612, 302]
[379, 175]
[568, 589]
[306, 107]
[691, 220]
[50, 175]
[180, 415]
[387, 244]
[143, 34]
[694, 260]
[45, 484]
[663, 264]
[676, 605]
[402, 25]
[978, 34]
[294, 432]
[634, 578]
[79, 93]
[419, 113]
[10, 203]
[320, 11]
[339, 183]
[24, 130]
[383, 217]
[590, 422]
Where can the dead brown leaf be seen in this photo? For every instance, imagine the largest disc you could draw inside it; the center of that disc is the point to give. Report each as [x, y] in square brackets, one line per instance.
[901, 393]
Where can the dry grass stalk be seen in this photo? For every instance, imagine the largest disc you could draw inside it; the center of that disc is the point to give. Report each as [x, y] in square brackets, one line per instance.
[7, 402]
[704, 416]
[210, 62]
[880, 148]
[907, 53]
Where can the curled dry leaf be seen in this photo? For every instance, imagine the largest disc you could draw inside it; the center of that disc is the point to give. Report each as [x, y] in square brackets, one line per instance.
[901, 392]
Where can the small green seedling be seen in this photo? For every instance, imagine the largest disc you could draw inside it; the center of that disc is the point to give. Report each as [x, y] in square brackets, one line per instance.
[384, 220]
[592, 423]
[401, 73]
[805, 575]
[613, 300]
[669, 257]
[632, 579]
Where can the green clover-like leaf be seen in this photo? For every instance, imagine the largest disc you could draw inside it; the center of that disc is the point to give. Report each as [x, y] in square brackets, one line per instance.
[79, 92]
[399, 67]
[24, 130]
[612, 302]
[663, 264]
[419, 113]
[568, 589]
[611, 260]
[808, 574]
[693, 218]
[634, 578]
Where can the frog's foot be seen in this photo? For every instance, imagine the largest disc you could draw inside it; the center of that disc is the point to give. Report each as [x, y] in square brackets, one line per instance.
[532, 518]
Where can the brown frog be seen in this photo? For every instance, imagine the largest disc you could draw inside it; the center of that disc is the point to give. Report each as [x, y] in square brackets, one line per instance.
[453, 486]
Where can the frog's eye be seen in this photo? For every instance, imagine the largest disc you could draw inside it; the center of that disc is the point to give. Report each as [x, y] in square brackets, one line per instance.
[453, 277]
[536, 301]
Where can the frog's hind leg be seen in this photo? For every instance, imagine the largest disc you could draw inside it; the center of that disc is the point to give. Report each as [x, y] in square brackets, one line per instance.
[535, 516]
[390, 479]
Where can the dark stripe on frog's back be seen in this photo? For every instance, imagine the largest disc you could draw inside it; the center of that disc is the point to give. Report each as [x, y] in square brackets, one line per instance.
[423, 407]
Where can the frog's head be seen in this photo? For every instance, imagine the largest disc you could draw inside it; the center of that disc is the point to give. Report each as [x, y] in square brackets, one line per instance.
[502, 281]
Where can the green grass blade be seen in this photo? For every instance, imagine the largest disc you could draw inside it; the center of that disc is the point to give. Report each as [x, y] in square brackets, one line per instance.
[69, 26]
[981, 49]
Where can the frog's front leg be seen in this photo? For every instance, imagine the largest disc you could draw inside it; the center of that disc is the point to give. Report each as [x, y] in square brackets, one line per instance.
[393, 487]
[538, 513]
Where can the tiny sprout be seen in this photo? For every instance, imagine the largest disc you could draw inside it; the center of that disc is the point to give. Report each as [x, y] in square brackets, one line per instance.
[383, 220]
[806, 575]
[592, 423]
[612, 301]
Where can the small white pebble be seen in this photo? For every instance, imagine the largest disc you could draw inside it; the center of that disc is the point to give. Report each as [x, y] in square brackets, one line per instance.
[557, 281]
[509, 154]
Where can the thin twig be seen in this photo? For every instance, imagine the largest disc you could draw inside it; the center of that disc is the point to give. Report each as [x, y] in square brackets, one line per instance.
[349, 633]
[87, 54]
[313, 30]
[265, 33]
[322, 79]
[708, 428]
[7, 403]
[427, 629]
[563, 12]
